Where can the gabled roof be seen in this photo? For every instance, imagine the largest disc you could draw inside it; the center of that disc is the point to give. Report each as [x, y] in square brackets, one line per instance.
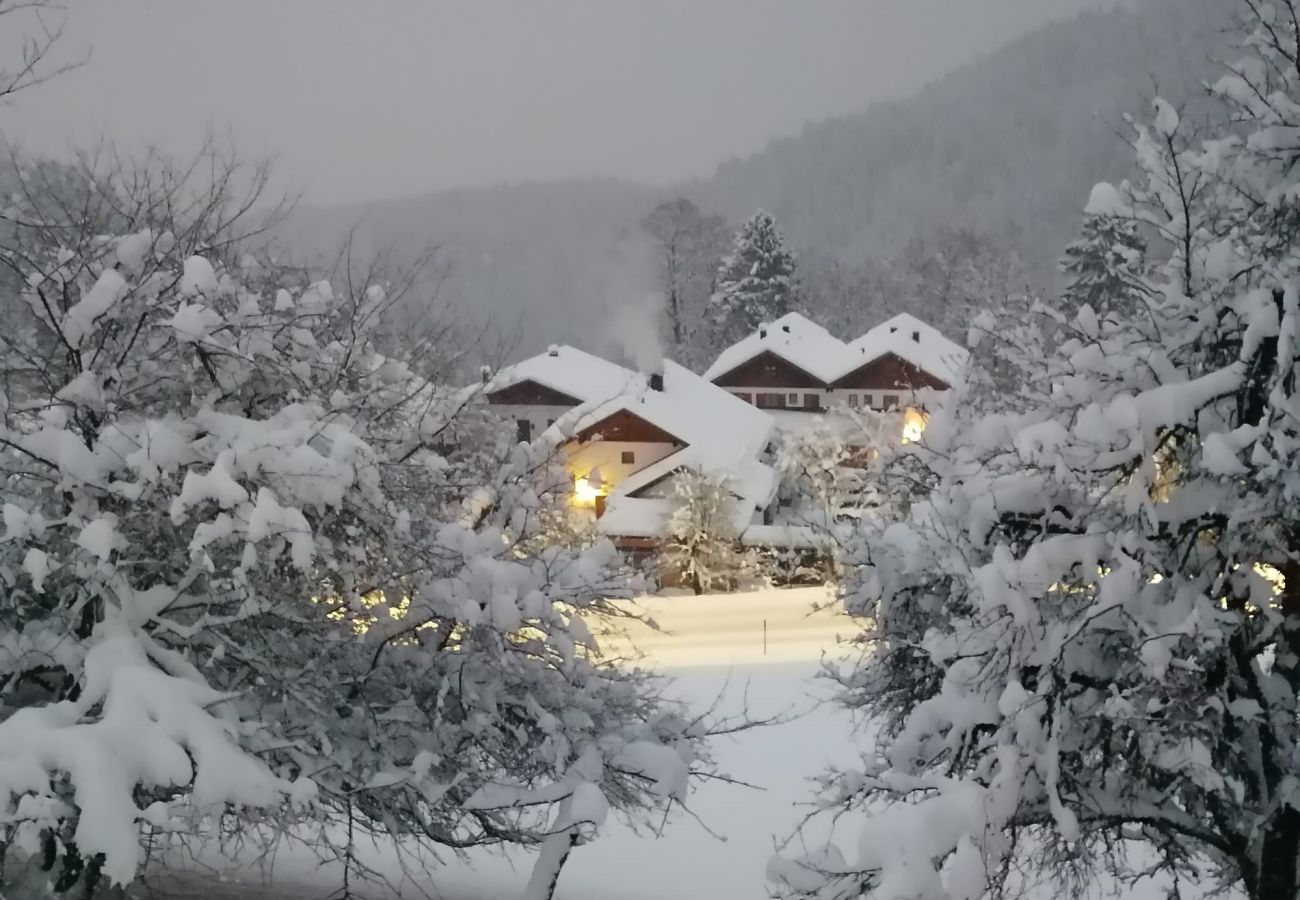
[794, 338]
[721, 434]
[570, 371]
[910, 339]
[719, 429]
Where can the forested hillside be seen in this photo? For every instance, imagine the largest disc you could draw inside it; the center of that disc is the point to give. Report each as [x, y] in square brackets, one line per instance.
[1006, 147]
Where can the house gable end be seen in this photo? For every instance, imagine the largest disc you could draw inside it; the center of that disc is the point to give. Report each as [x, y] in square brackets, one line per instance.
[530, 393]
[889, 372]
[627, 426]
[767, 369]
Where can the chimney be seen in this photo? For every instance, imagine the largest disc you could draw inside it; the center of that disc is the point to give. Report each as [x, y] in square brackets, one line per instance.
[762, 331]
[553, 350]
[655, 376]
[485, 373]
[916, 336]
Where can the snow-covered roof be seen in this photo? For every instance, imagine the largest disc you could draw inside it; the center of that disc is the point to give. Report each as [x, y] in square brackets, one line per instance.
[721, 434]
[796, 339]
[720, 430]
[912, 340]
[570, 371]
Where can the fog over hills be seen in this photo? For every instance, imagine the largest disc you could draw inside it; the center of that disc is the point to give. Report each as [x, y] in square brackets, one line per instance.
[999, 146]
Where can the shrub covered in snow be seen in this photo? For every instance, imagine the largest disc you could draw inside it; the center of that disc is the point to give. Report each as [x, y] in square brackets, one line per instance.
[232, 593]
[702, 543]
[1085, 650]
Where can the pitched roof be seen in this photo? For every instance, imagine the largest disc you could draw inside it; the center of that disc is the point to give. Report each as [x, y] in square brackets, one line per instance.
[796, 339]
[722, 434]
[570, 371]
[910, 339]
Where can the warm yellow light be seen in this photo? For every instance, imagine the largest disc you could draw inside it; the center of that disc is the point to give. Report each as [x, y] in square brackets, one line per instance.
[1273, 576]
[584, 492]
[913, 425]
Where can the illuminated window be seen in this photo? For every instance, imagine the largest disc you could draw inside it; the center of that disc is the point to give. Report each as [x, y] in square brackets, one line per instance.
[913, 425]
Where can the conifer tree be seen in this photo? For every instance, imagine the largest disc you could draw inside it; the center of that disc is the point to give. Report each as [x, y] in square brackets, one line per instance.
[1105, 266]
[756, 283]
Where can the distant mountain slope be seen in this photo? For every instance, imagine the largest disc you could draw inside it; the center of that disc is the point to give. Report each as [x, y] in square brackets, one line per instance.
[1009, 146]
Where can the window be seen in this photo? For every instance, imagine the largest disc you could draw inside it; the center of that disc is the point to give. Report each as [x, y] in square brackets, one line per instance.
[812, 401]
[866, 401]
[792, 399]
[771, 401]
[629, 458]
[748, 398]
[853, 400]
[889, 401]
[523, 431]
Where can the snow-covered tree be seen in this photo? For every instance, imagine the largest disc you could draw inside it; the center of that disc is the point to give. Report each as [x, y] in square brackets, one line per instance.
[1105, 268]
[230, 594]
[37, 26]
[702, 545]
[756, 282]
[688, 245]
[1085, 652]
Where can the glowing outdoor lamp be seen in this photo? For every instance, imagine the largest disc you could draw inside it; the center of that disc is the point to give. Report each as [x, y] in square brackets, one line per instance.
[586, 488]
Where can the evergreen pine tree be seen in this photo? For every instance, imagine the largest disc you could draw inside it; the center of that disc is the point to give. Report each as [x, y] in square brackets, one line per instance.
[756, 282]
[1105, 266]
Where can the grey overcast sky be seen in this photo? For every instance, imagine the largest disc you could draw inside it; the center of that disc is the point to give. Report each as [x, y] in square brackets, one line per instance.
[360, 99]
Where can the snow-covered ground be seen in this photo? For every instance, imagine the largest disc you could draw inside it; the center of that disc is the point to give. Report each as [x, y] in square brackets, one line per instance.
[721, 855]
[713, 648]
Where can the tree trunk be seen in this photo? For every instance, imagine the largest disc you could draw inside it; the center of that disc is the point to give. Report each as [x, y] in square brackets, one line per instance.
[675, 310]
[1279, 862]
[546, 873]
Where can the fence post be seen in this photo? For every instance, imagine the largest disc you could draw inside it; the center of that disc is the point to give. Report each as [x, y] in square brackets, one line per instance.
[765, 637]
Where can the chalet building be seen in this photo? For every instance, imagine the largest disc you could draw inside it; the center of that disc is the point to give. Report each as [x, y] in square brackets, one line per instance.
[683, 423]
[794, 365]
[535, 393]
[787, 365]
[626, 436]
[894, 364]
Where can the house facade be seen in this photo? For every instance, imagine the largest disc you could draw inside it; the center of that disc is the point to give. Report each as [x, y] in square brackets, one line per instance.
[786, 365]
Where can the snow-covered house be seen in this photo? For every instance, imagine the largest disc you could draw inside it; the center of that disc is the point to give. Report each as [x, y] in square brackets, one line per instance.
[892, 364]
[535, 393]
[691, 424]
[795, 364]
[624, 435]
[788, 364]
